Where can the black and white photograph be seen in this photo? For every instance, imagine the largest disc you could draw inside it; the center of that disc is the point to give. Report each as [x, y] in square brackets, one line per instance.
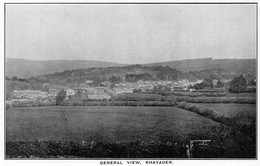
[153, 82]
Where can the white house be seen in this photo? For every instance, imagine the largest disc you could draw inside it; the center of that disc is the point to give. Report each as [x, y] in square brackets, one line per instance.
[70, 92]
[29, 94]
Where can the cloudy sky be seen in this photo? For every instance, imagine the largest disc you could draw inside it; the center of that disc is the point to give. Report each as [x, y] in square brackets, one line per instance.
[130, 33]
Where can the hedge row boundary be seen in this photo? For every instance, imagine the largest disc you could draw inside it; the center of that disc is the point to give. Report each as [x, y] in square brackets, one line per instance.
[207, 112]
[239, 100]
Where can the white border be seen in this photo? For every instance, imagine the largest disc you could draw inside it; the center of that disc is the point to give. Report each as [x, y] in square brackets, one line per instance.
[97, 162]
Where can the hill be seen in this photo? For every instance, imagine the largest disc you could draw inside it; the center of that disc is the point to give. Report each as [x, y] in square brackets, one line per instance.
[227, 67]
[133, 73]
[231, 65]
[28, 68]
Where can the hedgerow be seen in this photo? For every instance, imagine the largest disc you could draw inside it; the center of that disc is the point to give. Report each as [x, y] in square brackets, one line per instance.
[240, 100]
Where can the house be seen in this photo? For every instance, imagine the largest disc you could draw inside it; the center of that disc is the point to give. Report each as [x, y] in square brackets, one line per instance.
[20, 101]
[121, 90]
[192, 90]
[89, 81]
[29, 94]
[53, 92]
[70, 92]
[99, 96]
[46, 85]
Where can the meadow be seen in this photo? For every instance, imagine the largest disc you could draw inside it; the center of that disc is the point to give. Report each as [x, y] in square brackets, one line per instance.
[126, 132]
[107, 124]
[232, 109]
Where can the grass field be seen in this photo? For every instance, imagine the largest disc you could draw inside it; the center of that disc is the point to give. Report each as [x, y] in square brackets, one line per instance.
[241, 95]
[232, 109]
[107, 124]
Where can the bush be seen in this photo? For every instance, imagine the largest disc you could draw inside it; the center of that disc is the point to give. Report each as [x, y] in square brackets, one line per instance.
[238, 84]
[206, 112]
[60, 97]
[138, 97]
[63, 149]
[7, 106]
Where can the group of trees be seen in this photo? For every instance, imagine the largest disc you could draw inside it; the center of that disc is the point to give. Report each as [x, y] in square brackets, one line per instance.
[115, 79]
[237, 85]
[206, 83]
[219, 84]
[252, 82]
[15, 78]
[137, 77]
[167, 73]
[60, 97]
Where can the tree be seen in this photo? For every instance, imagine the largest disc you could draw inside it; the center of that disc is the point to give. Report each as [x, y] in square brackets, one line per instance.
[12, 86]
[208, 83]
[252, 82]
[81, 80]
[114, 79]
[199, 86]
[238, 84]
[219, 84]
[137, 91]
[68, 81]
[167, 73]
[14, 78]
[60, 97]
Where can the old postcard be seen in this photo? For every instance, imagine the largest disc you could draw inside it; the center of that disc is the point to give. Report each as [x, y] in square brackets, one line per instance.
[130, 83]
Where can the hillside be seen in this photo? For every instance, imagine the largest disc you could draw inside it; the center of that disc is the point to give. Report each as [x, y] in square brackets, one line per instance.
[133, 73]
[28, 68]
[15, 85]
[103, 74]
[229, 65]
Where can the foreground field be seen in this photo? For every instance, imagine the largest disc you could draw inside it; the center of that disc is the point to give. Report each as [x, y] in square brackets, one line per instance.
[107, 124]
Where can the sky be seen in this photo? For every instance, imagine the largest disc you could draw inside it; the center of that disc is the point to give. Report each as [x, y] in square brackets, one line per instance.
[130, 34]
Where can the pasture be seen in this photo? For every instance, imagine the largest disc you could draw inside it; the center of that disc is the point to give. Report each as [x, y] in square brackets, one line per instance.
[107, 124]
[232, 109]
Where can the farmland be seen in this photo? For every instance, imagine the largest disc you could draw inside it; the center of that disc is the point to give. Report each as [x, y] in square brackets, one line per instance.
[69, 131]
[232, 109]
[107, 124]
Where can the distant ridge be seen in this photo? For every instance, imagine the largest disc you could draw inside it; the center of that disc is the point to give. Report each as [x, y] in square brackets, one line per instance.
[26, 68]
[236, 65]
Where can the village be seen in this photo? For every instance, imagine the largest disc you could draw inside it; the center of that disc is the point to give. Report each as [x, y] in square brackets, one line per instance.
[103, 92]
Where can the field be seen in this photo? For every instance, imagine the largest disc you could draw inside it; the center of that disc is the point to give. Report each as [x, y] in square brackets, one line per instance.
[233, 109]
[107, 124]
[241, 95]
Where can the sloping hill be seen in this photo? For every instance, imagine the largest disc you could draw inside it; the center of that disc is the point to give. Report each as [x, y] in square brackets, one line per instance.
[186, 65]
[234, 65]
[27, 68]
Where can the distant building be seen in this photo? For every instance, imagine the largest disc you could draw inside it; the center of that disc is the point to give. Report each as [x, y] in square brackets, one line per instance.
[99, 96]
[70, 92]
[53, 92]
[89, 81]
[29, 94]
[22, 100]
[192, 90]
[121, 90]
[46, 85]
